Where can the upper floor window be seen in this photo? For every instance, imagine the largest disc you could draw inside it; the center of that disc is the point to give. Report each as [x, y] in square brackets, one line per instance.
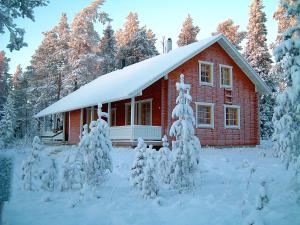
[225, 76]
[206, 73]
[204, 115]
[231, 116]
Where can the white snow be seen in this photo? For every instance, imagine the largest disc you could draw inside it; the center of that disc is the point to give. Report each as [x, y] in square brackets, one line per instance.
[219, 197]
[131, 80]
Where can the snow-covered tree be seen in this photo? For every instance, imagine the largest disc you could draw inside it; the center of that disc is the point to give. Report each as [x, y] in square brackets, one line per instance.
[13, 10]
[231, 32]
[139, 48]
[286, 114]
[49, 177]
[84, 60]
[149, 186]
[7, 122]
[98, 160]
[163, 161]
[258, 56]
[263, 196]
[186, 143]
[108, 50]
[139, 164]
[131, 26]
[30, 169]
[4, 79]
[188, 32]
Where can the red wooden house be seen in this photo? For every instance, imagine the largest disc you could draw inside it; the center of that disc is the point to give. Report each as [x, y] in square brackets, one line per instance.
[139, 98]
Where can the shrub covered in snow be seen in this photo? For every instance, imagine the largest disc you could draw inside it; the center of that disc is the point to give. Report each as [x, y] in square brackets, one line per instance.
[262, 198]
[49, 176]
[186, 143]
[139, 164]
[163, 161]
[149, 185]
[30, 168]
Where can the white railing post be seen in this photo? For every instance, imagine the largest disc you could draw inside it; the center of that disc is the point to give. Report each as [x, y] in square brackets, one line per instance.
[109, 112]
[132, 112]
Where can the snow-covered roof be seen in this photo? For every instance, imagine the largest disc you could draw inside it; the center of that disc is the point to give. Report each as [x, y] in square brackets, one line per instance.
[131, 80]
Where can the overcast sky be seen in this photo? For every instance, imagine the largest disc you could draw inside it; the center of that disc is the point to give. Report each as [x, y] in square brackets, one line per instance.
[164, 17]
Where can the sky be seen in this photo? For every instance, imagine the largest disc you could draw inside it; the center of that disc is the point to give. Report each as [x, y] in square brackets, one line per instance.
[164, 17]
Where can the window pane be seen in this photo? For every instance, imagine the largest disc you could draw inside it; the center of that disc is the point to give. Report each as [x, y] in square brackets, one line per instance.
[205, 73]
[225, 76]
[204, 115]
[128, 114]
[113, 121]
[145, 113]
[232, 117]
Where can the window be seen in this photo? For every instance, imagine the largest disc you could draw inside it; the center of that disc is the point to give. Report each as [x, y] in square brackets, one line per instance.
[225, 76]
[204, 115]
[143, 112]
[113, 117]
[206, 73]
[231, 116]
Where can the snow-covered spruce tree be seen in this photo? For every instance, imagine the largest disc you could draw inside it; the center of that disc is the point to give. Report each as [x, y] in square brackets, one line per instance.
[163, 161]
[186, 143]
[108, 50]
[7, 122]
[263, 196]
[149, 186]
[97, 159]
[131, 26]
[84, 39]
[4, 78]
[49, 177]
[30, 170]
[188, 32]
[231, 32]
[287, 113]
[258, 56]
[139, 164]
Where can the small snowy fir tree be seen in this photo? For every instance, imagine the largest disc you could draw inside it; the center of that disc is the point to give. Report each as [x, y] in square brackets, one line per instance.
[286, 116]
[263, 198]
[30, 170]
[258, 56]
[163, 161]
[138, 168]
[97, 158]
[149, 185]
[188, 32]
[186, 143]
[74, 168]
[49, 177]
[231, 32]
[7, 122]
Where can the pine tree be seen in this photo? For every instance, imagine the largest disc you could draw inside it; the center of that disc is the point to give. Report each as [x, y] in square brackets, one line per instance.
[107, 50]
[230, 31]
[84, 59]
[258, 56]
[286, 116]
[139, 164]
[4, 79]
[49, 177]
[149, 186]
[163, 161]
[131, 26]
[7, 122]
[188, 32]
[186, 142]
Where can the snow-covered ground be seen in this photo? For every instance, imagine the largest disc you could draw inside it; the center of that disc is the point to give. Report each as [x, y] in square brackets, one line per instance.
[224, 193]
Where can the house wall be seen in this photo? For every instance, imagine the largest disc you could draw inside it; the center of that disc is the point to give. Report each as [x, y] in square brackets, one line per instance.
[74, 127]
[243, 92]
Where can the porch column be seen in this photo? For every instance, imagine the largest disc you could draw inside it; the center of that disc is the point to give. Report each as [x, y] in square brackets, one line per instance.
[81, 121]
[108, 112]
[132, 112]
[92, 113]
[64, 126]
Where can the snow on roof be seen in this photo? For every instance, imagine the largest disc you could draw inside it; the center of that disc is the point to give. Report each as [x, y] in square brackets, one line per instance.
[131, 80]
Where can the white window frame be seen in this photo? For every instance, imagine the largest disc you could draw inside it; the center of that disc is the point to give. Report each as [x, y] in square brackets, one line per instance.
[211, 71]
[230, 75]
[212, 123]
[115, 117]
[138, 109]
[239, 116]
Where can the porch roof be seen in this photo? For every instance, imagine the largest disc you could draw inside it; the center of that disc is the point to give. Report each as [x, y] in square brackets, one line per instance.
[131, 80]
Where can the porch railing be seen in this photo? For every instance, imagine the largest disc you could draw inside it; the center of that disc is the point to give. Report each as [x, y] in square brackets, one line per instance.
[134, 132]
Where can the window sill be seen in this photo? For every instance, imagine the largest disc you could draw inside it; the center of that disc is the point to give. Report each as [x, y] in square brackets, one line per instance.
[232, 127]
[206, 84]
[204, 126]
[226, 87]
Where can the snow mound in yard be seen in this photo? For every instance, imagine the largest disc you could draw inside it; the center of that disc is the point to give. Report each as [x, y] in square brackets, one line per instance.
[225, 193]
